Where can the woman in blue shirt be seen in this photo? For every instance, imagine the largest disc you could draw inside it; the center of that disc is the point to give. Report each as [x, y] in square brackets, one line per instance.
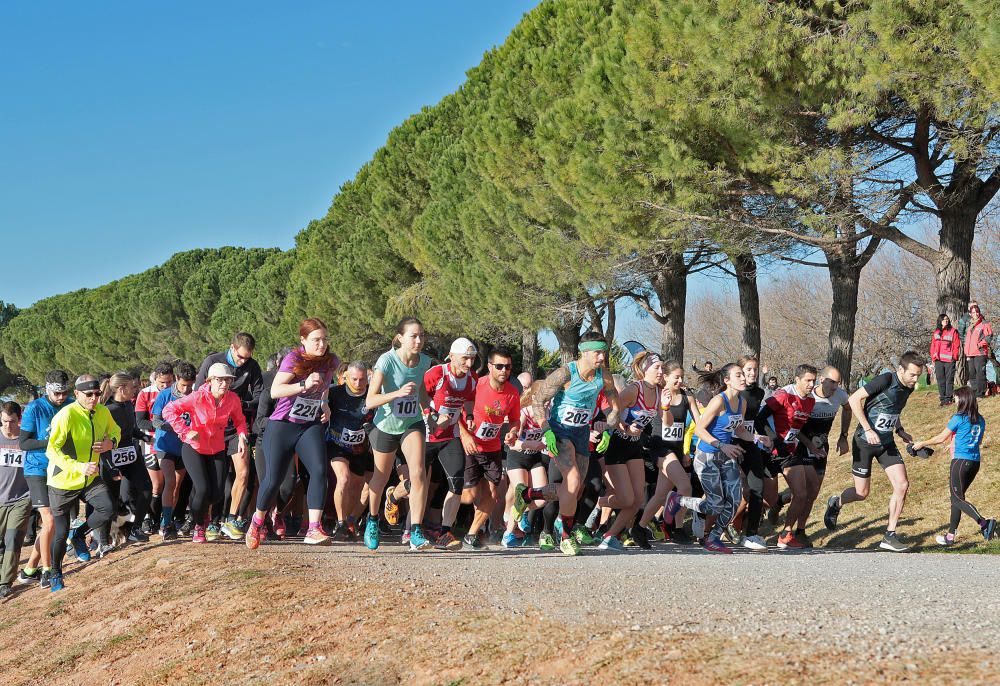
[965, 430]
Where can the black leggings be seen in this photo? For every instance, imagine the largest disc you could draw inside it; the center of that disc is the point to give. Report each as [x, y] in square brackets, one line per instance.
[282, 441]
[208, 476]
[753, 467]
[135, 489]
[65, 504]
[963, 473]
[286, 489]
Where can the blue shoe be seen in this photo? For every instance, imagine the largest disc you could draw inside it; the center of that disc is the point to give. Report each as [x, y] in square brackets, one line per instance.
[79, 547]
[55, 582]
[558, 527]
[372, 534]
[612, 543]
[989, 529]
[417, 539]
[525, 523]
[509, 540]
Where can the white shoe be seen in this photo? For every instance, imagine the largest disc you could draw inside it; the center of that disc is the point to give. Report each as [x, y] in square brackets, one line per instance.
[698, 526]
[754, 543]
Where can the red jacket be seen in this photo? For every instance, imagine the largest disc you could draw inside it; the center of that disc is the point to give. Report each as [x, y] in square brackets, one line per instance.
[199, 412]
[977, 339]
[945, 345]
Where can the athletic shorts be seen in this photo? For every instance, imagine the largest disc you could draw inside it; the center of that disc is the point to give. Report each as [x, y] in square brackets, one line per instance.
[357, 463]
[176, 459]
[447, 462]
[38, 491]
[519, 460]
[579, 436]
[233, 443]
[621, 450]
[152, 462]
[863, 453]
[798, 458]
[659, 448]
[483, 465]
[389, 443]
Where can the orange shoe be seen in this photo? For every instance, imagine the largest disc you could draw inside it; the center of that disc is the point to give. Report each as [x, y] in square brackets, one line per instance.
[787, 540]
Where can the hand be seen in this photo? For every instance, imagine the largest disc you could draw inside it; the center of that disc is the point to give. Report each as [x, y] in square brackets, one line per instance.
[602, 445]
[634, 430]
[313, 380]
[444, 419]
[241, 447]
[533, 445]
[406, 389]
[918, 445]
[324, 416]
[842, 445]
[510, 438]
[765, 441]
[91, 468]
[733, 452]
[469, 444]
[550, 441]
[872, 437]
[820, 452]
[907, 438]
[102, 446]
[191, 436]
[686, 461]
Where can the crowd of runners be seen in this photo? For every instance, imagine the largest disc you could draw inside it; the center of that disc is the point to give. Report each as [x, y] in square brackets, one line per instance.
[317, 450]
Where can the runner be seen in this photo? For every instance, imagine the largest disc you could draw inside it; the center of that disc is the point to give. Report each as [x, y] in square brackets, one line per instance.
[784, 415]
[15, 499]
[265, 406]
[496, 403]
[945, 348]
[878, 405]
[667, 447]
[297, 426]
[247, 385]
[348, 447]
[527, 465]
[573, 391]
[965, 430]
[624, 460]
[34, 440]
[716, 457]
[451, 388]
[167, 446]
[79, 434]
[161, 378]
[200, 420]
[397, 390]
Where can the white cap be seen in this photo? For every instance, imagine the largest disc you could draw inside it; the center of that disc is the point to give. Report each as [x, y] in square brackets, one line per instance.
[220, 370]
[463, 347]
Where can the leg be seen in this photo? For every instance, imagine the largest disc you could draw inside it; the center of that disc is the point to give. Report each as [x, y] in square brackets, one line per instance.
[900, 487]
[635, 473]
[963, 472]
[732, 491]
[279, 451]
[796, 478]
[812, 491]
[341, 491]
[201, 484]
[137, 490]
[413, 450]
[621, 494]
[241, 471]
[13, 524]
[516, 477]
[168, 472]
[311, 449]
[949, 381]
[62, 505]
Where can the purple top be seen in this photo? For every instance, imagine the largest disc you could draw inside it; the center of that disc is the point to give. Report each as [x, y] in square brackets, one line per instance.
[307, 407]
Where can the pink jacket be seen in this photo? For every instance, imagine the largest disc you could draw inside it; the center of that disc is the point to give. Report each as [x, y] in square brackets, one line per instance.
[945, 345]
[199, 412]
[976, 338]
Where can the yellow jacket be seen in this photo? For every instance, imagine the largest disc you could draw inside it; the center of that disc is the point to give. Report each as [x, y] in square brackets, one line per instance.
[72, 435]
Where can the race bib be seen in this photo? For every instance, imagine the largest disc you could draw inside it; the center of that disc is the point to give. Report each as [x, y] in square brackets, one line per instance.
[792, 436]
[406, 407]
[305, 409]
[886, 423]
[748, 425]
[643, 418]
[575, 416]
[9, 457]
[352, 437]
[126, 455]
[734, 423]
[488, 432]
[451, 414]
[673, 432]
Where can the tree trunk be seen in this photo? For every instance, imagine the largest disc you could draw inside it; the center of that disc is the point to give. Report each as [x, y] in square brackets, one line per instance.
[609, 330]
[568, 335]
[954, 263]
[529, 352]
[746, 281]
[670, 285]
[845, 275]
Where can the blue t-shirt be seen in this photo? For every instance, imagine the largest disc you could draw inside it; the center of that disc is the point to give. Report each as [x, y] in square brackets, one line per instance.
[968, 437]
[37, 419]
[165, 441]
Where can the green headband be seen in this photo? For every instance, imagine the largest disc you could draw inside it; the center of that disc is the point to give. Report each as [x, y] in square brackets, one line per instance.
[587, 346]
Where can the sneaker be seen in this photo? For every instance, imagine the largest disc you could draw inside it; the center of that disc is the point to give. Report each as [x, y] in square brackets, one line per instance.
[391, 512]
[546, 543]
[137, 535]
[56, 583]
[5, 590]
[945, 539]
[754, 543]
[231, 531]
[558, 527]
[787, 539]
[187, 528]
[23, 578]
[892, 543]
[524, 524]
[148, 527]
[253, 537]
[627, 540]
[474, 542]
[698, 526]
[660, 531]
[641, 537]
[582, 535]
[832, 512]
[680, 537]
[418, 541]
[212, 532]
[198, 535]
[673, 504]
[303, 529]
[611, 543]
[169, 533]
[279, 526]
[384, 527]
[372, 534]
[509, 540]
[316, 536]
[714, 545]
[989, 530]
[734, 536]
[803, 538]
[569, 546]
[520, 506]
[447, 541]
[351, 532]
[103, 550]
[46, 579]
[405, 538]
[79, 546]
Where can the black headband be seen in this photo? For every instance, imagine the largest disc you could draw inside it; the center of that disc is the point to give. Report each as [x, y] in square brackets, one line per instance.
[92, 385]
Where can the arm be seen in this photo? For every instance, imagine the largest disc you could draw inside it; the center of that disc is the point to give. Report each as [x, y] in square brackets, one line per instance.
[58, 435]
[376, 398]
[173, 412]
[626, 398]
[285, 385]
[611, 395]
[943, 437]
[856, 403]
[514, 420]
[143, 420]
[553, 383]
[26, 440]
[236, 415]
[843, 445]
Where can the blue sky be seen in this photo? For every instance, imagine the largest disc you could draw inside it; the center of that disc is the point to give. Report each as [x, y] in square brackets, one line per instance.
[131, 131]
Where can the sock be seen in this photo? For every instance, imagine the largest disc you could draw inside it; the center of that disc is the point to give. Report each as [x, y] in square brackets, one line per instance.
[445, 530]
[257, 520]
[534, 494]
[30, 571]
[800, 532]
[46, 569]
[890, 532]
[167, 516]
[567, 527]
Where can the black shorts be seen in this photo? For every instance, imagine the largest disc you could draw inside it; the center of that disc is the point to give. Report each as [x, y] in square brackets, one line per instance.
[358, 462]
[483, 465]
[621, 450]
[389, 443]
[659, 448]
[152, 462]
[519, 460]
[863, 453]
[38, 491]
[447, 462]
[798, 458]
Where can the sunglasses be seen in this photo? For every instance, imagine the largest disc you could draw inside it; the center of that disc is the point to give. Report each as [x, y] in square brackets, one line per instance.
[90, 394]
[501, 366]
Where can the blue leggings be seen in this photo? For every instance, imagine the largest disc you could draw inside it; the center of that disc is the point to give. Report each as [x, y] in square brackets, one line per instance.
[282, 441]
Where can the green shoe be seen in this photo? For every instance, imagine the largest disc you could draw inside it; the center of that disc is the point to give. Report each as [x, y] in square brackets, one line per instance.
[231, 531]
[582, 536]
[569, 546]
[212, 532]
[520, 505]
[628, 541]
[546, 543]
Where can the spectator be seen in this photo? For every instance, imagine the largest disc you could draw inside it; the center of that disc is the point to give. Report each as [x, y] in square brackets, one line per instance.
[945, 347]
[978, 333]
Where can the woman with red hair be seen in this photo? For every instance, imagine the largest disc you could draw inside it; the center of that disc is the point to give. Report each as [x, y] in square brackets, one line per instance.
[297, 427]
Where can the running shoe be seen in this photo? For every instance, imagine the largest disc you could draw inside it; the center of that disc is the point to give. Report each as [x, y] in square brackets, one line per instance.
[989, 529]
[24, 578]
[46, 580]
[278, 520]
[187, 527]
[509, 540]
[754, 543]
[698, 526]
[303, 529]
[803, 538]
[520, 506]
[316, 536]
[405, 538]
[611, 543]
[833, 506]
[787, 539]
[418, 541]
[524, 524]
[198, 535]
[137, 535]
[391, 512]
[169, 533]
[384, 527]
[945, 539]
[372, 534]
[546, 543]
[212, 532]
[641, 537]
[714, 545]
[447, 541]
[660, 532]
[558, 527]
[734, 536]
[79, 546]
[627, 540]
[892, 543]
[231, 531]
[680, 536]
[569, 546]
[148, 527]
[103, 550]
[672, 506]
[474, 542]
[582, 535]
[56, 583]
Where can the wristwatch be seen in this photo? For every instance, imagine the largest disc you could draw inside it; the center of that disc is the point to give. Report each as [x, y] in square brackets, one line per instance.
[302, 384]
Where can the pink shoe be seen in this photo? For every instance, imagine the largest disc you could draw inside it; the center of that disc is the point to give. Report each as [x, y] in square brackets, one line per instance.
[199, 534]
[279, 524]
[256, 534]
[714, 545]
[671, 507]
[316, 536]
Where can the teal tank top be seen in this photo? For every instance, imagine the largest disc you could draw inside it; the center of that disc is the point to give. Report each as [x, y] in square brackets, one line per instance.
[573, 408]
